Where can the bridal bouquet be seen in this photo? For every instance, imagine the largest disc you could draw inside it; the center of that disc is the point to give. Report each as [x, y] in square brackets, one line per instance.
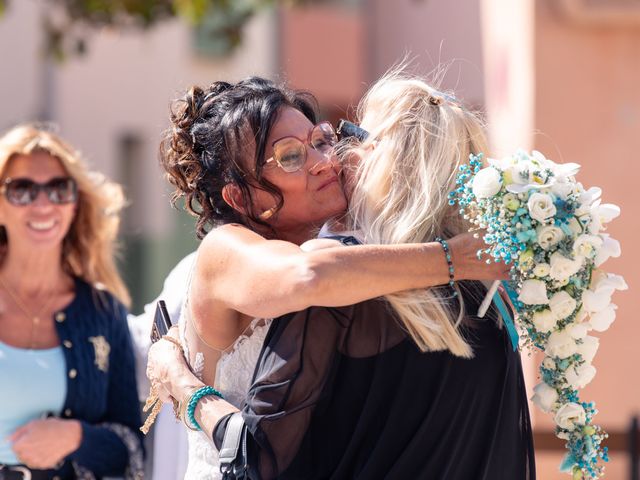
[543, 223]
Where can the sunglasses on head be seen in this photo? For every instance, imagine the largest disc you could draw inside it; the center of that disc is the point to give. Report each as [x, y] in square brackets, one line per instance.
[290, 153]
[347, 129]
[24, 191]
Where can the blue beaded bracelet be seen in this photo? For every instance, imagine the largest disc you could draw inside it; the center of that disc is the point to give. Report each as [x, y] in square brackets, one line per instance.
[193, 403]
[447, 254]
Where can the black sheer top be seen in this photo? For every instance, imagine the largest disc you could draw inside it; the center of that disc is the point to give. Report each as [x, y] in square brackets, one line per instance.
[344, 393]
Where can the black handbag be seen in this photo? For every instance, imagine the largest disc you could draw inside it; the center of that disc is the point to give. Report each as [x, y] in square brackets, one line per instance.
[233, 458]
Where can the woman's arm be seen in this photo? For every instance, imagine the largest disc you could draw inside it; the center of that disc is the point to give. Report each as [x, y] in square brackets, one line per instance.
[241, 271]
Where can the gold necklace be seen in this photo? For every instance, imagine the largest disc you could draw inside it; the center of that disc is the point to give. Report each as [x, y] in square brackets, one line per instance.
[35, 317]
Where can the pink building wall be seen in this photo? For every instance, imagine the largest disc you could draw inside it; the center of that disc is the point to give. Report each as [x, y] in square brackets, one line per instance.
[588, 108]
[322, 50]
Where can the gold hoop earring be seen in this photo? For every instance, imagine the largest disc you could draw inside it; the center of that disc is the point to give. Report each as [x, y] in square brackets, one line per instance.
[267, 214]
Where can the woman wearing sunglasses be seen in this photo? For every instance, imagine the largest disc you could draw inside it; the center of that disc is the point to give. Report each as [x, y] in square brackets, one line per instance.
[69, 407]
[251, 160]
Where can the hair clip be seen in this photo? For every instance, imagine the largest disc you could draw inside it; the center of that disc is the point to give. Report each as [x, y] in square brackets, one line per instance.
[436, 98]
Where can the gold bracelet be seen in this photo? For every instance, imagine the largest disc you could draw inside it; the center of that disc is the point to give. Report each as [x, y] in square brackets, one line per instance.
[176, 405]
[183, 410]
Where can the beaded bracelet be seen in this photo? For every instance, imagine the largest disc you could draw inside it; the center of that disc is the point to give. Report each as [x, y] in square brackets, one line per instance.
[447, 254]
[193, 403]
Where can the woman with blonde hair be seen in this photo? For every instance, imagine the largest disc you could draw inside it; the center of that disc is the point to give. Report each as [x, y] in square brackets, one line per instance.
[70, 407]
[418, 138]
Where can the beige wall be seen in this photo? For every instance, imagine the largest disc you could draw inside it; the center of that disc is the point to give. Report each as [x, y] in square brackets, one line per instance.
[437, 33]
[123, 87]
[20, 86]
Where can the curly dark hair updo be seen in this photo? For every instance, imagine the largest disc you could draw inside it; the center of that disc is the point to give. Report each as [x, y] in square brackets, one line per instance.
[206, 146]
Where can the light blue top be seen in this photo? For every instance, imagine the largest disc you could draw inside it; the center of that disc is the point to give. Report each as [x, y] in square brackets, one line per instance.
[33, 384]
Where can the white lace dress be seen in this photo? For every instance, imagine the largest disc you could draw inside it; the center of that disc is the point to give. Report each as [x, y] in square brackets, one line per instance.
[234, 372]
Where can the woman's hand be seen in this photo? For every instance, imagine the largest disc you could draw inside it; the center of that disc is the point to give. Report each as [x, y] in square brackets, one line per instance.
[168, 371]
[464, 255]
[43, 443]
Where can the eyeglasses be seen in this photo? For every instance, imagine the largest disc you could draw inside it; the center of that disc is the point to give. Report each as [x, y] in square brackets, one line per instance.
[24, 191]
[290, 153]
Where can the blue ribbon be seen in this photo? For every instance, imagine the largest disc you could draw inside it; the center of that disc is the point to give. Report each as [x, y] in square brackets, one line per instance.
[568, 461]
[506, 317]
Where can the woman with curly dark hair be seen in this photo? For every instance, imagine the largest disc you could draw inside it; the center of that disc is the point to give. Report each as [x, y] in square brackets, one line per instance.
[252, 161]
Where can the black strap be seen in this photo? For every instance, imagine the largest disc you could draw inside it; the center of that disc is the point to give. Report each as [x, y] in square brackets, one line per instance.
[234, 436]
[344, 239]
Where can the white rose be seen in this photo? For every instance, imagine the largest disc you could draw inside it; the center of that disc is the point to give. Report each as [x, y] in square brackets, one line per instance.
[549, 363]
[541, 270]
[601, 214]
[602, 320]
[609, 248]
[562, 267]
[545, 397]
[578, 331]
[561, 344]
[587, 245]
[549, 235]
[596, 301]
[533, 292]
[569, 415]
[541, 207]
[580, 377]
[562, 304]
[588, 348]
[544, 321]
[487, 183]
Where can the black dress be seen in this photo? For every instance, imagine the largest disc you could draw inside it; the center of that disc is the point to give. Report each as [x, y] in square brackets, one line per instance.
[344, 393]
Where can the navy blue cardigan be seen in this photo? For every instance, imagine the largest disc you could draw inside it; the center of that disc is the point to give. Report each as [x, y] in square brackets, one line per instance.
[101, 386]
